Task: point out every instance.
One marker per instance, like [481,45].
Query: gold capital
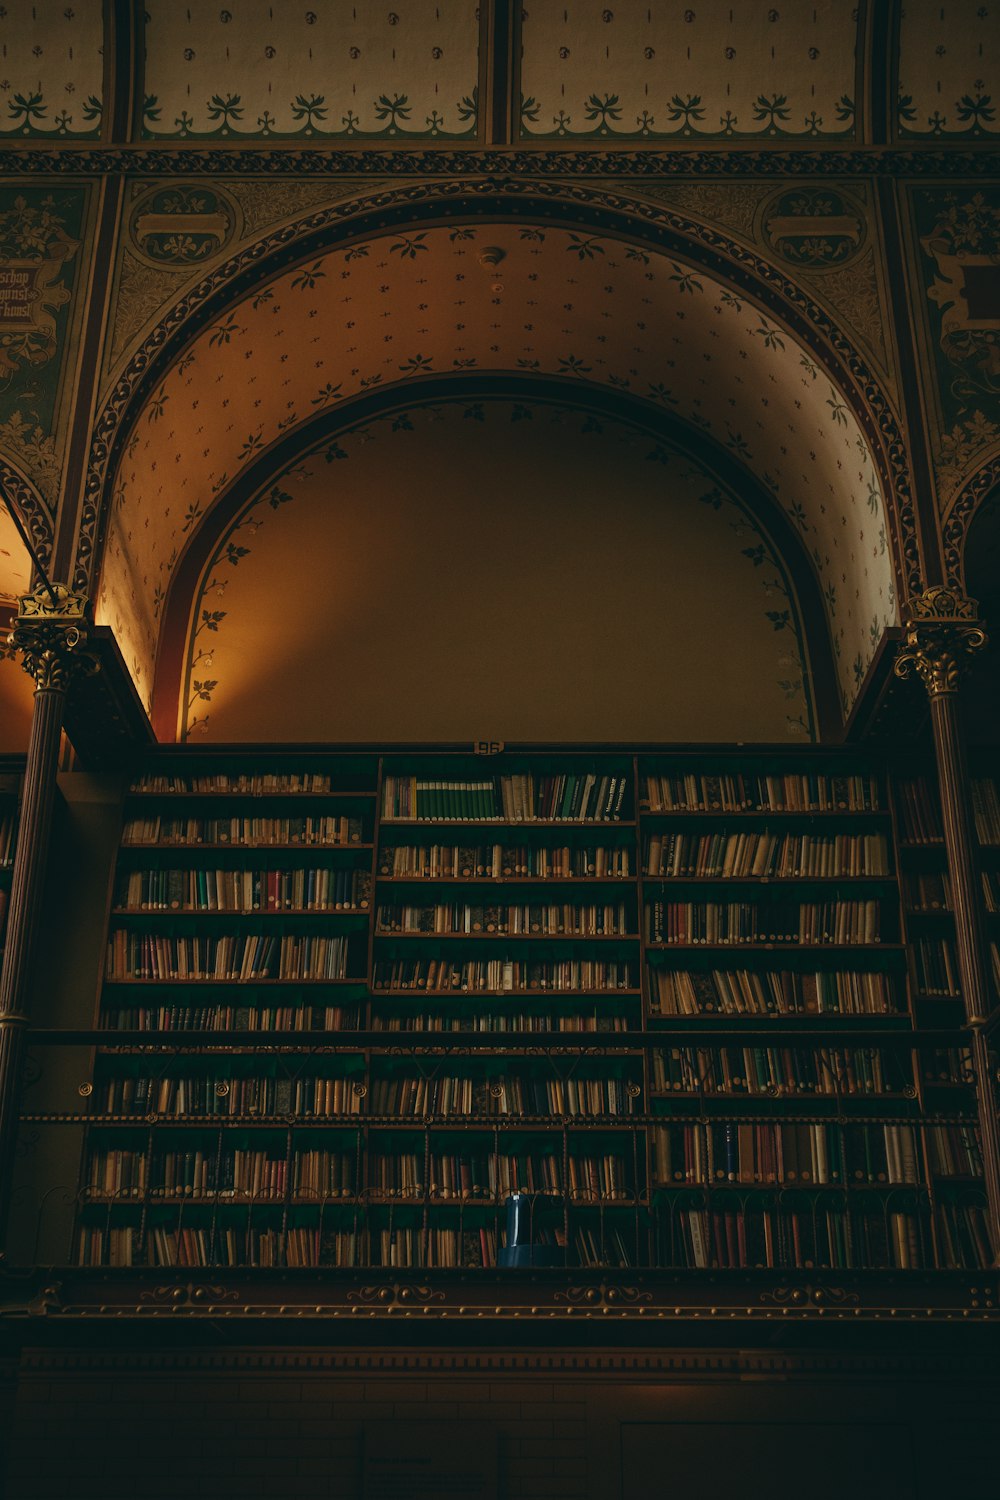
[51,632]
[942,631]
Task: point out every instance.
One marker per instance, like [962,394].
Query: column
[51,633]
[942,633]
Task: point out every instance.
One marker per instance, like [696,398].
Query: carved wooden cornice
[239,160]
[481,1300]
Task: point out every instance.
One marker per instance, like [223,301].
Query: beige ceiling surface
[674,69]
[494,569]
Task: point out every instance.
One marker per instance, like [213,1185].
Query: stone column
[51,633]
[942,632]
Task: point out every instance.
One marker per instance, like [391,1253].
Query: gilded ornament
[52,633]
[942,630]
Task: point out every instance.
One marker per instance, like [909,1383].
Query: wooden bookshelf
[536,1064]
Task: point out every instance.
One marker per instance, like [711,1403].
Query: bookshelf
[351,1001]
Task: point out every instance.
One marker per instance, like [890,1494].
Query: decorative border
[487,1298]
[606,211]
[781,160]
[626,1362]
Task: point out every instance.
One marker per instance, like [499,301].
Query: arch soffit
[572,205]
[668,438]
[970,497]
[34,512]
[212,318]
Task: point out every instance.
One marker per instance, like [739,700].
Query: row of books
[502,862]
[151,955]
[259,833]
[255,783]
[991,890]
[227,1246]
[233,1018]
[741,1238]
[199,1173]
[770,992]
[308,1095]
[834,1237]
[585,919]
[505,1095]
[590,1179]
[705,1153]
[919,812]
[830,1071]
[758,854]
[809,791]
[502,1021]
[986,810]
[794,1154]
[501,975]
[807,922]
[578,797]
[935,966]
[322,889]
[311,1018]
[928,890]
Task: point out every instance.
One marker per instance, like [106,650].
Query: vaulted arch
[604,303]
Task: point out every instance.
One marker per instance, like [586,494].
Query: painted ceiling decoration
[516,297]
[337,528]
[959,236]
[712,69]
[949,68]
[41,231]
[332,70]
[51,68]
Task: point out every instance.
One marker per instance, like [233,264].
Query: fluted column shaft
[27,882]
[953,783]
[942,632]
[51,633]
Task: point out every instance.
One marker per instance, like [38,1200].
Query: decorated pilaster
[51,633]
[943,632]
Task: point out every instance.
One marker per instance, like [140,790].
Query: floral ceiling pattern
[949,68]
[514,298]
[401,72]
[711,69]
[51,68]
[627,644]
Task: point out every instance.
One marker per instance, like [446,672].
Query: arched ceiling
[364,598]
[515,298]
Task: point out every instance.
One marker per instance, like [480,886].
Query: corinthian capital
[942,631]
[51,632]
